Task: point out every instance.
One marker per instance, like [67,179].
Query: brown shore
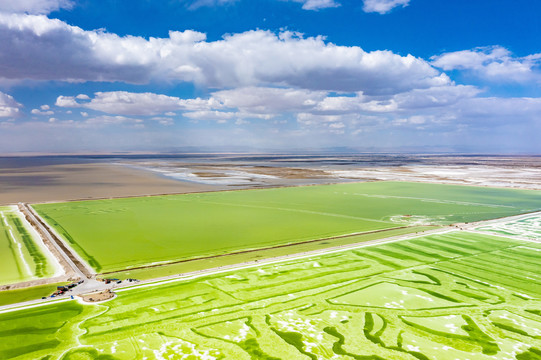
[59,182]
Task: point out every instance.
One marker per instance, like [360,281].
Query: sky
[83,76]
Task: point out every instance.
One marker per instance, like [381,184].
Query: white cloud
[501,110]
[356,104]
[162,120]
[34,6]
[326,104]
[264,100]
[307,4]
[45,107]
[383,6]
[317,4]
[263,103]
[106,120]
[223,116]
[457,118]
[492,63]
[9,108]
[253,102]
[309,119]
[210,115]
[39,112]
[38,48]
[192,5]
[126,103]
[484,114]
[434,97]
[449,108]
[140,104]
[275,101]
[414,120]
[66,101]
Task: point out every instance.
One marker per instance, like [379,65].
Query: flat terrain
[45,179]
[122,233]
[76,177]
[457,295]
[267,170]
[236,259]
[21,256]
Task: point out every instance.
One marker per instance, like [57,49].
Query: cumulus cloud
[492,63]
[264,100]
[34,6]
[126,103]
[448,115]
[316,107]
[40,112]
[241,103]
[269,103]
[129,103]
[485,114]
[9,108]
[383,6]
[449,108]
[278,100]
[66,101]
[38,48]
[476,121]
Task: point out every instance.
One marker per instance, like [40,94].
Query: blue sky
[270,75]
